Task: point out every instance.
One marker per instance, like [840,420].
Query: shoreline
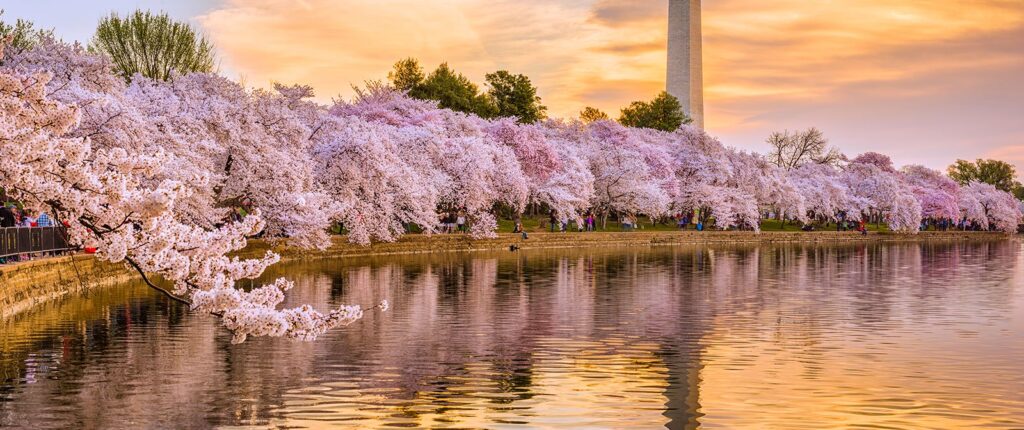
[441,243]
[28,284]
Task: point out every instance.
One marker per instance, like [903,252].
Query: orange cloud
[925,81]
[333,45]
[815,48]
[618,13]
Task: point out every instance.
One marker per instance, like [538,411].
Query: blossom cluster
[115,163]
[148,172]
[607,169]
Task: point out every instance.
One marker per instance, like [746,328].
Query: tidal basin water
[908,336]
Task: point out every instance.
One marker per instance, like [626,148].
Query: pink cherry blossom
[876,189]
[936,192]
[126,203]
[825,193]
[1001,209]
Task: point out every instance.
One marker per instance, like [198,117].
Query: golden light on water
[904,336]
[581,378]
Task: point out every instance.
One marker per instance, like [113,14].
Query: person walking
[554,221]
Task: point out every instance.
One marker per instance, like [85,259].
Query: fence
[24,240]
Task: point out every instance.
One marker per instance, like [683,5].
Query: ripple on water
[872,336]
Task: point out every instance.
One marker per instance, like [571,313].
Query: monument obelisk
[685,78]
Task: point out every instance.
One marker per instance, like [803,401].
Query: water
[849,336]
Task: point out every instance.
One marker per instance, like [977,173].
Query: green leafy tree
[663,113]
[456,92]
[515,96]
[23,34]
[999,174]
[591,114]
[152,44]
[407,75]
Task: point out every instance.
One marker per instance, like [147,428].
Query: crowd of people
[694,220]
[11,216]
[452,222]
[588,222]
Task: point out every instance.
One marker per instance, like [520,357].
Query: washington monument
[685,79]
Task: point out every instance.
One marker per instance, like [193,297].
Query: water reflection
[892,336]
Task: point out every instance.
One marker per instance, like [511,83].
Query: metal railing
[28,240]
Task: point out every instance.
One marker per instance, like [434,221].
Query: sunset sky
[925,81]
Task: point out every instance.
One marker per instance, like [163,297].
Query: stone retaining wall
[24,285]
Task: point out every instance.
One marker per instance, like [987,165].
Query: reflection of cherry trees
[507,336]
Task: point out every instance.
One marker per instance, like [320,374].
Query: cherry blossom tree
[360,165]
[630,176]
[877,191]
[569,188]
[724,183]
[555,168]
[1001,209]
[259,149]
[970,208]
[936,192]
[123,203]
[825,193]
[468,167]
[229,145]
[881,161]
[768,184]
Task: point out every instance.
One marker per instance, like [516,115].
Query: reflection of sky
[904,335]
[925,81]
